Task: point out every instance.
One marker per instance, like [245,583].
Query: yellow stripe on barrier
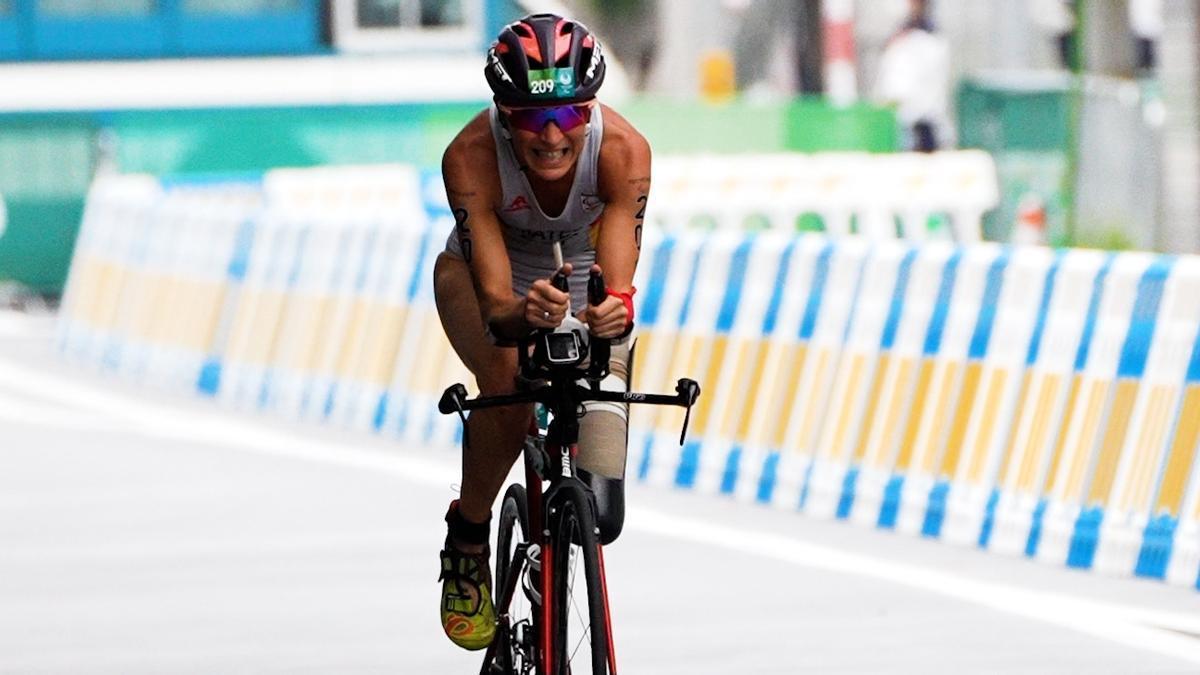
[434,345]
[940,422]
[1113,440]
[1094,399]
[962,417]
[883,438]
[351,346]
[1039,441]
[908,444]
[811,408]
[742,350]
[84,283]
[112,280]
[372,319]
[1184,447]
[142,303]
[795,361]
[758,382]
[177,313]
[871,414]
[845,408]
[264,327]
[208,321]
[142,297]
[303,324]
[322,329]
[381,351]
[685,360]
[987,427]
[1147,449]
[1009,463]
[1058,461]
[642,346]
[193,327]
[642,416]
[718,345]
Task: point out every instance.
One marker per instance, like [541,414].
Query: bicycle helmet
[544,59]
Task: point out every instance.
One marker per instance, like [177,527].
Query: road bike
[548,540]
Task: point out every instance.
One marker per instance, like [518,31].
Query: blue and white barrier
[1024,400]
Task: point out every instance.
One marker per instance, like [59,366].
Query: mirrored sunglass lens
[535,119]
[570,117]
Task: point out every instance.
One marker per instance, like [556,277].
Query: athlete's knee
[496,374]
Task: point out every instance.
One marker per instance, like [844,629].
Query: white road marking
[15,324]
[1151,630]
[21,411]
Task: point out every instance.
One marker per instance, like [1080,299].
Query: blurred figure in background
[1057,17]
[630,28]
[914,76]
[1146,23]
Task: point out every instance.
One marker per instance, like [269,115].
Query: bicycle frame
[537,498]
[558,389]
[563,432]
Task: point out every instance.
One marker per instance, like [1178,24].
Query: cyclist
[546,163]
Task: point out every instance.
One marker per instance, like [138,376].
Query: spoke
[576,553]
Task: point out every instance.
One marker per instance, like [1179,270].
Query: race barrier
[1025,400]
[915,196]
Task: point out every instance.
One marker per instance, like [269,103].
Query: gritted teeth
[551,154]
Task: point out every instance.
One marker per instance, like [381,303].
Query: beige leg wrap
[604,430]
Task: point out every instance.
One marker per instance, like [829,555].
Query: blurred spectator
[630,29]
[1057,17]
[1146,23]
[914,76]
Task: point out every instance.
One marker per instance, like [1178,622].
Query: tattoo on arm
[464,233]
[640,216]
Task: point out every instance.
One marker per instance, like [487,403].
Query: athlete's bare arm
[624,183]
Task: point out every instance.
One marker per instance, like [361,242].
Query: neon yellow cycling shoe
[468,615]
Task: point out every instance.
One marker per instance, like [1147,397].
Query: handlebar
[454,399]
[560,377]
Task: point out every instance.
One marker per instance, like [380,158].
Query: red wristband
[627,299]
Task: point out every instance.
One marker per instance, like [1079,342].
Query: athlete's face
[548,140]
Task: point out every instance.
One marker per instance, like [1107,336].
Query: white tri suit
[529,234]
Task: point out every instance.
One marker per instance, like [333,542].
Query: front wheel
[516,651]
[580,611]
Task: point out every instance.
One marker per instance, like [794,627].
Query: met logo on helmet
[497,66]
[595,62]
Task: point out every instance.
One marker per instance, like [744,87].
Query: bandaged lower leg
[604,430]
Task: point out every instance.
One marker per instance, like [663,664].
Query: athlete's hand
[545,305]
[609,318]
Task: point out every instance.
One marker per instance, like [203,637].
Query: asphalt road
[145,532]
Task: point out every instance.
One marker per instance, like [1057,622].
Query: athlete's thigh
[458,308]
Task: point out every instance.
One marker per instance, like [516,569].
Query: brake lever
[688,391]
[452,400]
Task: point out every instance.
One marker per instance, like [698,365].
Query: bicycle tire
[515,655]
[576,539]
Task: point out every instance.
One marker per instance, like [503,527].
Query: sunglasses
[566,117]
